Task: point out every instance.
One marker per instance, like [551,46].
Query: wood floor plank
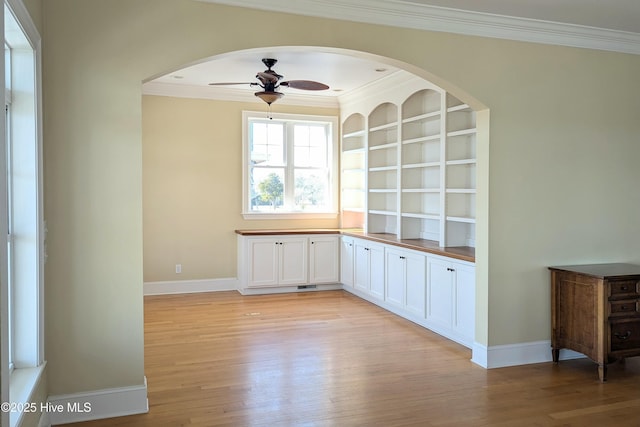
[332,359]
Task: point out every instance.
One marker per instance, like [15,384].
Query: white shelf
[420,215]
[421,190]
[383,168]
[384,127]
[462,132]
[379,212]
[425,116]
[355,134]
[383,146]
[422,139]
[421,165]
[461,162]
[467,220]
[461,107]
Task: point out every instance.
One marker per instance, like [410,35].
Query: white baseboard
[98,404]
[501,356]
[190,286]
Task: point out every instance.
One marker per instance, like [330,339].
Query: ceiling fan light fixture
[269,96]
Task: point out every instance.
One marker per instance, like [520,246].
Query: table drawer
[624,308]
[620,288]
[625,335]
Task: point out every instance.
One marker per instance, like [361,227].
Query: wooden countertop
[602,271]
[462,253]
[288,231]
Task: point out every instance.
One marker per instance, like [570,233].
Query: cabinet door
[415,283]
[346,261]
[440,292]
[293,261]
[376,271]
[395,277]
[465,307]
[263,262]
[323,259]
[361,276]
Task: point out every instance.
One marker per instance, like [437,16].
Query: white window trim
[23,36]
[333,158]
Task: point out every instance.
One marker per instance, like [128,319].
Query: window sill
[22,383]
[290,215]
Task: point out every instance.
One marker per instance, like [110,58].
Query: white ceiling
[597,24]
[342,73]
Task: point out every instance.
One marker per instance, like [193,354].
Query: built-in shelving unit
[415,176]
[353,171]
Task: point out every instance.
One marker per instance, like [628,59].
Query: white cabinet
[346,261]
[369,268]
[406,280]
[434,291]
[440,295]
[464,322]
[277,261]
[323,259]
[451,298]
[270,263]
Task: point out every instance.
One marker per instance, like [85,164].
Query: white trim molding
[434,18]
[98,404]
[190,286]
[501,356]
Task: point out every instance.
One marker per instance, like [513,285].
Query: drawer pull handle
[624,288]
[624,336]
[450,269]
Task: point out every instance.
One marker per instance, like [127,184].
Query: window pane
[267,147]
[310,146]
[311,189]
[267,189]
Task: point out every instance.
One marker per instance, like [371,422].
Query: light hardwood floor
[332,359]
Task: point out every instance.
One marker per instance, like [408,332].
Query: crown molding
[230,94]
[398,13]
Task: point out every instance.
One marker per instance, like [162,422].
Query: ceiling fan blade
[233,83]
[305,85]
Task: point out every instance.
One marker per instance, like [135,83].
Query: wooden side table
[595,310]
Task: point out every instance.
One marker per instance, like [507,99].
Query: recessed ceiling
[342,73]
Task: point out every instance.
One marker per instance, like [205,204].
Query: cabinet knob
[624,336]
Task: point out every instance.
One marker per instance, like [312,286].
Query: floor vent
[307,287]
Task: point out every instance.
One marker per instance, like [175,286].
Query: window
[21,214]
[289,166]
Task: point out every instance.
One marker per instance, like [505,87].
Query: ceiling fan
[270,81]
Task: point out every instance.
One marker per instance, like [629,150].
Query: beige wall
[192,186]
[562,174]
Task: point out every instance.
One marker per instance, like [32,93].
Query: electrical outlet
[178,268]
